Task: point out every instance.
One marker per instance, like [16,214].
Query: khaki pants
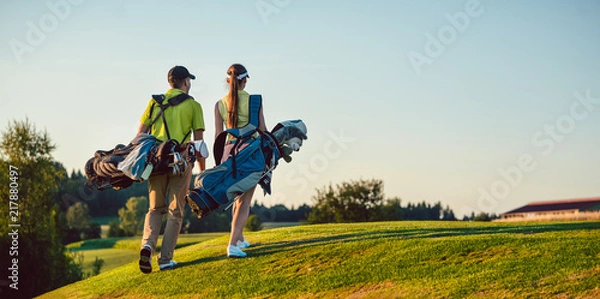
[160,188]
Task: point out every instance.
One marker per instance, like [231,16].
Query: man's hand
[200,148]
[201,162]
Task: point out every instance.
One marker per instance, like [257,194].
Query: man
[180,120]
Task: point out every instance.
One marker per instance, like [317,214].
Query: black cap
[180,72]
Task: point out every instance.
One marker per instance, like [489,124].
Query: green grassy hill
[375,260]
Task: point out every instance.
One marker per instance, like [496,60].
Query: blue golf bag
[252,159]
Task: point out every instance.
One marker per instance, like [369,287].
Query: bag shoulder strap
[240,133]
[253,114]
[178,99]
[174,101]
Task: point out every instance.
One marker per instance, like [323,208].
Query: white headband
[240,76]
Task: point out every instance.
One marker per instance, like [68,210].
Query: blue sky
[505,111]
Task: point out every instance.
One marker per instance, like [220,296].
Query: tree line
[363,200]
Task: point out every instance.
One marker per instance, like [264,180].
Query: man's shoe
[168,266]
[146,259]
[234,251]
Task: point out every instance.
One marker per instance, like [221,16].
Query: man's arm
[143,129]
[199,135]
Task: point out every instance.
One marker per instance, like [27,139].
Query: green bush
[97,266]
[253,223]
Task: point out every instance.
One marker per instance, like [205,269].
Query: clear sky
[482,105]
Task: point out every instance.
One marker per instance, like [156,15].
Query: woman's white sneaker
[235,251]
[242,244]
[246,243]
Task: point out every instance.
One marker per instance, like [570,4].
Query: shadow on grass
[181,245]
[202,260]
[270,248]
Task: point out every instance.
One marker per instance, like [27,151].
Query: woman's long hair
[233,74]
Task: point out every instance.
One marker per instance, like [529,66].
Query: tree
[483,216]
[350,201]
[326,206]
[469,218]
[30,179]
[79,223]
[423,211]
[302,213]
[448,214]
[392,210]
[78,216]
[133,215]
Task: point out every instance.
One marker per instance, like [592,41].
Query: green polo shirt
[181,119]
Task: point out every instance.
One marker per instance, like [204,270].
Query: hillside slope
[375,260]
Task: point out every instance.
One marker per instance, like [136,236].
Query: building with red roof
[571,209]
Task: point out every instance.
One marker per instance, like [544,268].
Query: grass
[375,260]
[113,258]
[120,251]
[271,225]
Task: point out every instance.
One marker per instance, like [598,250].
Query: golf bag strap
[174,101]
[187,135]
[253,121]
[233,158]
[219,147]
[158,98]
[165,122]
[239,133]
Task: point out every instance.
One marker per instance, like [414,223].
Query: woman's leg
[234,208]
[240,211]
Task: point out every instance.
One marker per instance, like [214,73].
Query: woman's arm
[261,120]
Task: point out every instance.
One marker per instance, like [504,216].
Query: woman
[233,111]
